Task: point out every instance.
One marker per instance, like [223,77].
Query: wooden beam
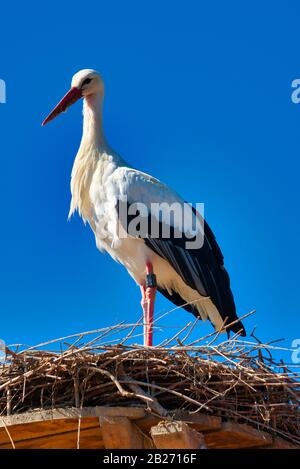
[120,433]
[176,435]
[130,428]
[200,422]
[34,431]
[36,425]
[280,443]
[90,438]
[234,435]
[71,413]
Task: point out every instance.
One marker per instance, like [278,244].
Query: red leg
[148,299]
[144,304]
[150,295]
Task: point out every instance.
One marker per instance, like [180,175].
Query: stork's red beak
[70,98]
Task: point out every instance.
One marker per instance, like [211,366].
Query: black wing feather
[202,269]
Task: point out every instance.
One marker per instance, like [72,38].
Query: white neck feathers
[92,135]
[91,147]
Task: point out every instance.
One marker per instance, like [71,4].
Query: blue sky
[197,94]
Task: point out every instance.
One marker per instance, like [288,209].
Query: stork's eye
[86,81]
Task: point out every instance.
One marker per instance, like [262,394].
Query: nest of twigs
[234,379]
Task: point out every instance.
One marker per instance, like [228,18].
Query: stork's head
[84,83]
[88,81]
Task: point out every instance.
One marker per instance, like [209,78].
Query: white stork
[192,278]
